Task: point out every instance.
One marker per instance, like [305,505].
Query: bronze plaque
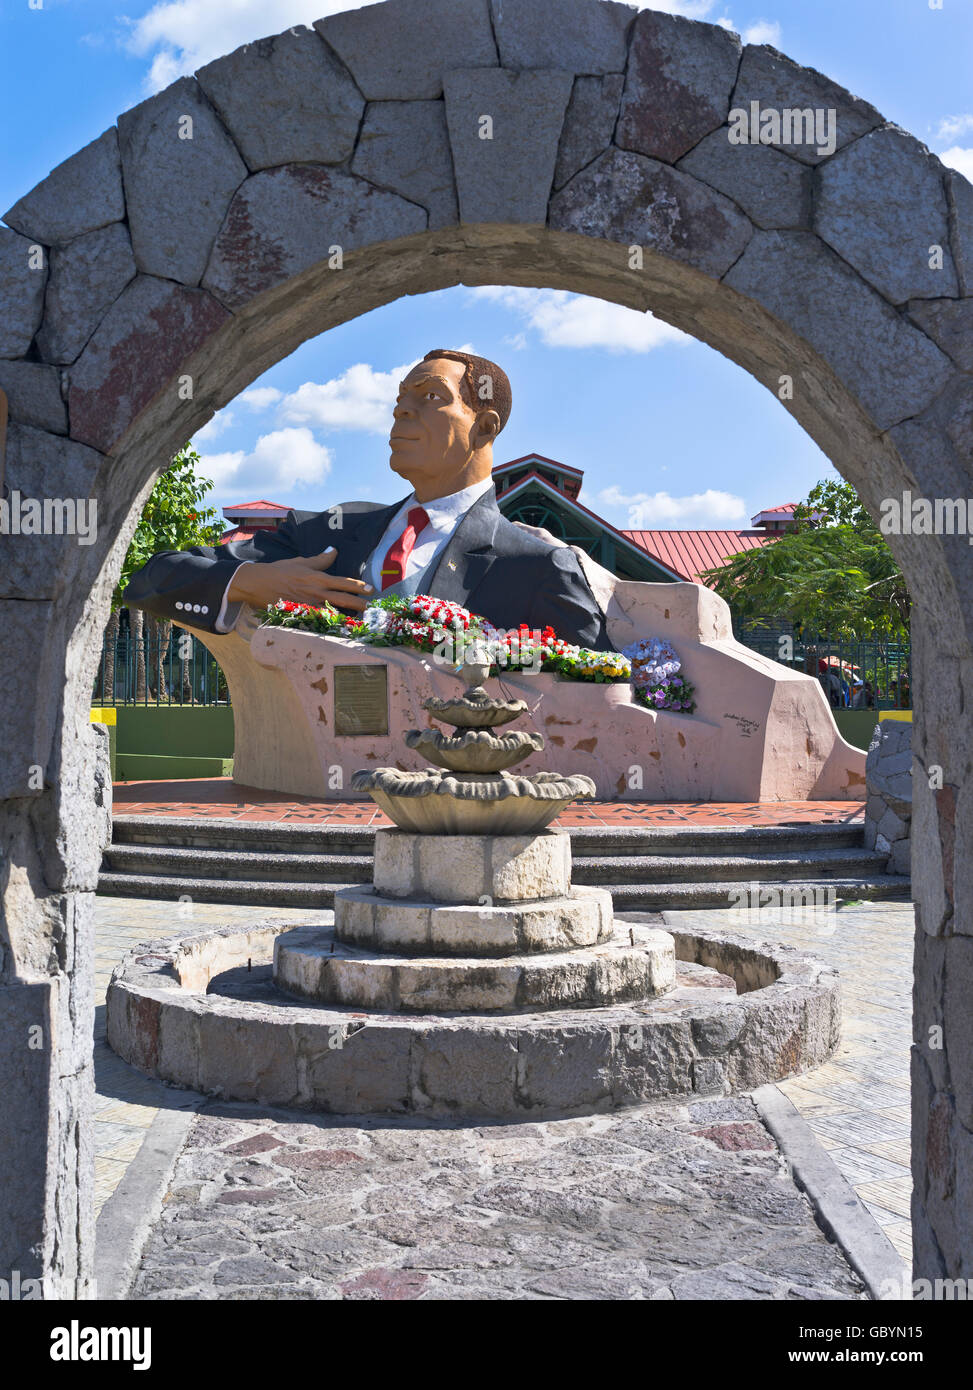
[361,699]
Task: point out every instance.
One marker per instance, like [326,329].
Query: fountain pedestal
[479,922]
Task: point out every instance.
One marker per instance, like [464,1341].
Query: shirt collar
[445,510]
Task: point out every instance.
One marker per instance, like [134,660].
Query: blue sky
[669,433]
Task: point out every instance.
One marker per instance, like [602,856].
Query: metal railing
[883,668]
[173,668]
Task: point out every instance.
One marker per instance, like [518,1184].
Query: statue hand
[299,580]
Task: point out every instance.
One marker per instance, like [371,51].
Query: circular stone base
[308,962]
[582,917]
[191,1011]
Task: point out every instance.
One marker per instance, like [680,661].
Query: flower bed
[453,635]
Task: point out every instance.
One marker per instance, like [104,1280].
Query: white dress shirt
[445,514]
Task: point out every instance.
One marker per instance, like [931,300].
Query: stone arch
[197,244]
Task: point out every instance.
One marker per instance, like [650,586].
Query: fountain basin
[444,803]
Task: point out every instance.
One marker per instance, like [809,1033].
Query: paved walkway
[668,1202]
[857,1105]
[220,798]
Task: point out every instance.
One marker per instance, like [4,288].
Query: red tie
[393,566]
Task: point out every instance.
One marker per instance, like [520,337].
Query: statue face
[434,432]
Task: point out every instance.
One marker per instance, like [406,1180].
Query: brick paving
[220,798]
[858,1107]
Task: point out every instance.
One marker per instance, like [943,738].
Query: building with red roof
[540,491]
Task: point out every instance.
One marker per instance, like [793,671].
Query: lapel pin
[451,564]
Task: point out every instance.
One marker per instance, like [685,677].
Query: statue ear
[488,423]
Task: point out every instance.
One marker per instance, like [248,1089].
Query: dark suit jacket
[488,565]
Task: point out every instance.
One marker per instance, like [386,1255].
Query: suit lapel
[361,538]
[468,554]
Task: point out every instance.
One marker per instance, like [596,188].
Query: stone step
[276,867]
[657,868]
[654,897]
[293,837]
[635,964]
[260,865]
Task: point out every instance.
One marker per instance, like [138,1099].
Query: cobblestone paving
[126,1102]
[857,1105]
[659,1202]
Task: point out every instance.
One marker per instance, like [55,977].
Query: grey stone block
[960,193]
[404,146]
[627,198]
[80,195]
[507,178]
[399,51]
[472,1073]
[562,1078]
[31,680]
[773,190]
[283,221]
[949,322]
[900,861]
[177,188]
[86,278]
[775,81]
[589,123]
[150,331]
[48,476]
[678,85]
[33,394]
[801,281]
[21,292]
[573,35]
[285,99]
[368,1074]
[883,237]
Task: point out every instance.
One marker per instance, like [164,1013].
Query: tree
[172,519]
[832,571]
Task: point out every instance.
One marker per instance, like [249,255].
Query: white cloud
[762,31]
[278,462]
[568,320]
[220,422]
[959,158]
[179,36]
[360,399]
[952,127]
[652,511]
[689,9]
[260,397]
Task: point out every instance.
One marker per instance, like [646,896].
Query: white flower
[376,619]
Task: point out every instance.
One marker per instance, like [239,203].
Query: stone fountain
[471,906]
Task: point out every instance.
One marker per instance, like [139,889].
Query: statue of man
[447,538]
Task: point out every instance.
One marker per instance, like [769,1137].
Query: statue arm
[189,585]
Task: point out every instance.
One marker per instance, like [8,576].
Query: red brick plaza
[219,798]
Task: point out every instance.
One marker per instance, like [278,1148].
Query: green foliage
[832,571]
[173,517]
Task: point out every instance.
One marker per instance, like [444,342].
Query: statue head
[450,408]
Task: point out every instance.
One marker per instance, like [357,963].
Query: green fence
[840,663]
[167,666]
